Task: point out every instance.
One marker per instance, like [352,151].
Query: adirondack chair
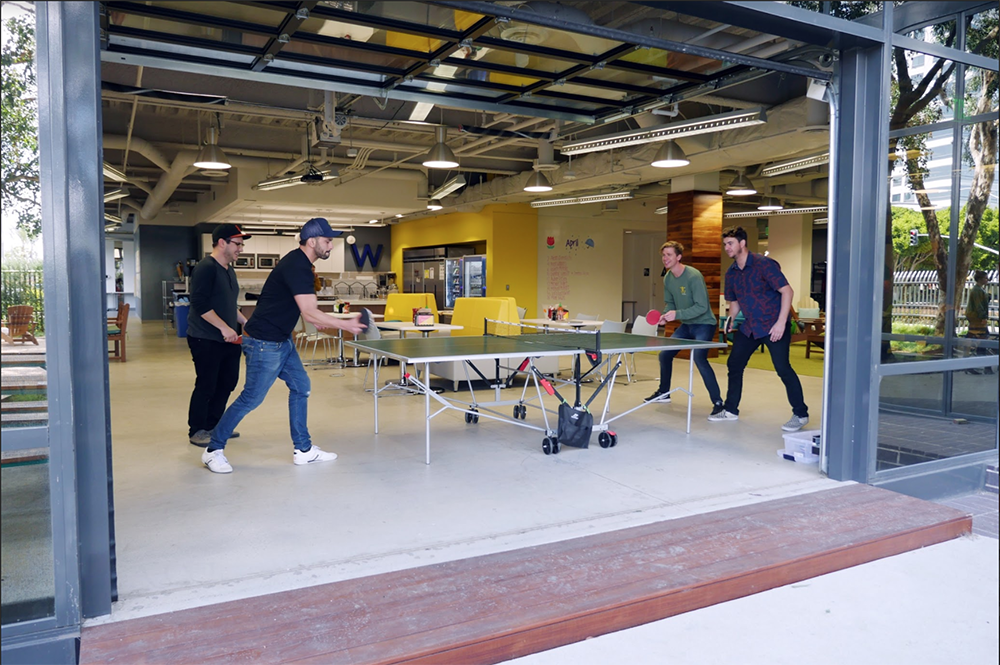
[20,324]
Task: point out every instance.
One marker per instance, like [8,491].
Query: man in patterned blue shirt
[756,287]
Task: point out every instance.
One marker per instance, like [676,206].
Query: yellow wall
[509,233]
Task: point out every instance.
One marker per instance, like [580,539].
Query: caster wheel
[517,412]
[524,411]
[555,447]
[475,419]
[614,439]
[547,446]
[468,417]
[604,439]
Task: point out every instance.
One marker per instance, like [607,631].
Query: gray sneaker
[201,438]
[216,461]
[795,423]
[722,416]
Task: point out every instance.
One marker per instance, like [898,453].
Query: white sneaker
[795,424]
[722,416]
[314,454]
[216,461]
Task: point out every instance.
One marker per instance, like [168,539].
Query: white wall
[584,268]
[790,244]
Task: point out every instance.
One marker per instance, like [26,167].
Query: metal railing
[917,296]
[24,287]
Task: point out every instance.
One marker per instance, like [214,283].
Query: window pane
[980,35]
[913,326]
[977,299]
[912,104]
[926,417]
[28,573]
[850,11]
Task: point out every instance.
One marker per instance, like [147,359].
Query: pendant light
[769,203]
[211,156]
[434,204]
[670,156]
[741,186]
[441,156]
[537,182]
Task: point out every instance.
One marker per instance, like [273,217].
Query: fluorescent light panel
[290,181]
[763,213]
[447,188]
[660,211]
[111,173]
[796,165]
[708,125]
[115,194]
[579,200]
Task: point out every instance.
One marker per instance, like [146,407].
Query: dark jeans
[704,332]
[217,371]
[743,348]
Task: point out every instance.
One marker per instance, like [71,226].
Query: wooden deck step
[495,607]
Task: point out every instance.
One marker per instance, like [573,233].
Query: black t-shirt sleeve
[202,288]
[300,282]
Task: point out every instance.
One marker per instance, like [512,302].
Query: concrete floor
[187,537]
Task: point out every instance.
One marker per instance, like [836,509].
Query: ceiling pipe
[181,166]
[141,146]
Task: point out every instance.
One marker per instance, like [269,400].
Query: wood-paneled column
[694,219]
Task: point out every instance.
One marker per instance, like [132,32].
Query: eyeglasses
[233,242]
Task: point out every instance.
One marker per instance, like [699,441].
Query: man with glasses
[212,335]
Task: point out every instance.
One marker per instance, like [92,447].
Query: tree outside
[18,104]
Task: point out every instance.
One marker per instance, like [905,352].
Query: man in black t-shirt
[212,335]
[271,353]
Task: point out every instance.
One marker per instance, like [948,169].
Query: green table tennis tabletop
[442,349]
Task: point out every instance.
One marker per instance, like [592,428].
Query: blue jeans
[266,362]
[703,332]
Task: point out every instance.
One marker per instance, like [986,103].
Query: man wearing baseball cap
[270,351]
[212,332]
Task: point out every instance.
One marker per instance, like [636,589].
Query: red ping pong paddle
[653,317]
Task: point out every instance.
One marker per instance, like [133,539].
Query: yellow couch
[400,306]
[470,313]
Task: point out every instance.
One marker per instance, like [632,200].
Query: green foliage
[921,257]
[19,108]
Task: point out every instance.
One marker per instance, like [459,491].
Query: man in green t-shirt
[686,299]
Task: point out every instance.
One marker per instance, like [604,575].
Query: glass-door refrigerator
[474,276]
[453,281]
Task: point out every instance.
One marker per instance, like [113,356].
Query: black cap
[228,232]
[317,227]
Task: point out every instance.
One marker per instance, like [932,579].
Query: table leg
[375,390]
[690,387]
[427,418]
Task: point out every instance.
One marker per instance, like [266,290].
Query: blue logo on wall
[366,254]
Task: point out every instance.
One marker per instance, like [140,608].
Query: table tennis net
[586,340]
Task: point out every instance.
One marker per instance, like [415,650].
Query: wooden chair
[117,328]
[20,324]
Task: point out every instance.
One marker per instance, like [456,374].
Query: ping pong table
[522,350]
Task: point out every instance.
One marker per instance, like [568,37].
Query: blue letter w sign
[366,254]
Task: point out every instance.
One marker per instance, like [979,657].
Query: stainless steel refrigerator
[425,271]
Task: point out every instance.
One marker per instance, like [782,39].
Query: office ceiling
[361,87]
